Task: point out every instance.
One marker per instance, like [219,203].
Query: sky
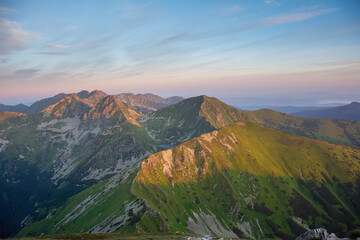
[231,49]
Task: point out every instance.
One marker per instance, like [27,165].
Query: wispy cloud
[12,36]
[292,17]
[6,11]
[55,45]
[54,53]
[27,72]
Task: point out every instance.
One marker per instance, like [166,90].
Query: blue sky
[268,48]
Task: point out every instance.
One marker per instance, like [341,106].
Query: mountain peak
[98,92]
[94,97]
[191,118]
[354,104]
[218,113]
[69,106]
[83,94]
[110,108]
[146,102]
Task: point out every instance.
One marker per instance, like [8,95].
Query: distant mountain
[141,102]
[147,102]
[108,107]
[292,109]
[69,106]
[347,112]
[248,181]
[22,108]
[93,97]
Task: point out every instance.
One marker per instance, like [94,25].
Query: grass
[253,174]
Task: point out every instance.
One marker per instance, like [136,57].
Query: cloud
[27,72]
[292,17]
[12,36]
[55,45]
[54,53]
[271,2]
[5,11]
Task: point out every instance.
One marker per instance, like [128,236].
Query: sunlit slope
[249,181]
[329,130]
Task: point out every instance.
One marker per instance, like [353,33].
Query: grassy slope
[329,130]
[101,208]
[252,175]
[178,122]
[195,116]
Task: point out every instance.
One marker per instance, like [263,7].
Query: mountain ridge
[348,112]
[72,146]
[245,157]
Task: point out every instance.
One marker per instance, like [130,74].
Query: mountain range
[347,112]
[92,162]
[142,102]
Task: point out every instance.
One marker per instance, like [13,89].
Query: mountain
[249,181]
[44,103]
[91,98]
[21,108]
[109,107]
[69,146]
[292,109]
[107,206]
[35,107]
[195,116]
[77,153]
[188,119]
[69,106]
[147,102]
[283,109]
[347,112]
[141,102]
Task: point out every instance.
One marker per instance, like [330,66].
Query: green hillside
[194,116]
[105,207]
[249,181]
[329,130]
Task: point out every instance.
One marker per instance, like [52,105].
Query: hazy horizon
[303,50]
